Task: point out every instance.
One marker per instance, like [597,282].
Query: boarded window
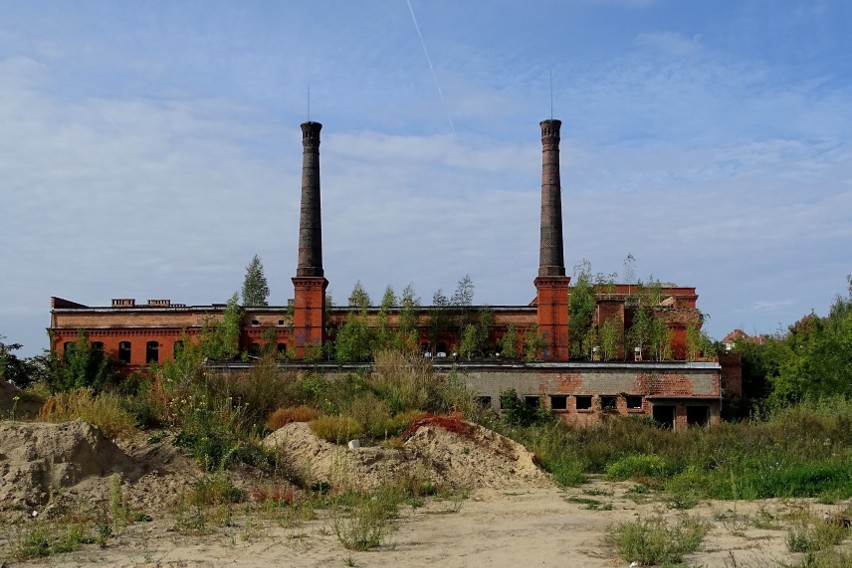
[634,402]
[124,351]
[583,402]
[152,352]
[558,402]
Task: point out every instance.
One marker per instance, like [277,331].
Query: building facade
[138,334]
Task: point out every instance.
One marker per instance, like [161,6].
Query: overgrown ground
[773,490]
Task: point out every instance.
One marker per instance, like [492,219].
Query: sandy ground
[513,515]
[500,528]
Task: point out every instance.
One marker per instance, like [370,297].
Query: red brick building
[139,334]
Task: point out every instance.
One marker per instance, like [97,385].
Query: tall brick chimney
[310,219]
[310,283]
[551,257]
[551,283]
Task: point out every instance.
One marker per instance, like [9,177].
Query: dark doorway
[697,415]
[664,416]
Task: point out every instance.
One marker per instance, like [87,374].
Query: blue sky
[149,150]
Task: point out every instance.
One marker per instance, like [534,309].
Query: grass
[369,521]
[105,410]
[811,535]
[789,452]
[42,541]
[650,541]
[210,500]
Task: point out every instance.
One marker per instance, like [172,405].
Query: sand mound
[475,458]
[40,459]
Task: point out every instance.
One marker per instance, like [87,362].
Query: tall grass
[105,410]
[801,451]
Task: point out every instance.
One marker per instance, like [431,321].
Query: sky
[151,149]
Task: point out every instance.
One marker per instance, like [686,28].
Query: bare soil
[514,516]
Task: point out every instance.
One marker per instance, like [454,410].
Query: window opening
[124,352]
[152,352]
[634,402]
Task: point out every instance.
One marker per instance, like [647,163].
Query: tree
[535,342]
[12,368]
[581,310]
[409,319]
[220,339]
[255,288]
[80,365]
[439,319]
[818,361]
[463,296]
[359,298]
[385,337]
[509,343]
[611,336]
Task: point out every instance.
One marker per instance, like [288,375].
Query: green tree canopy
[255,288]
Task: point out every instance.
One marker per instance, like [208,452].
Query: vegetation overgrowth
[797,451]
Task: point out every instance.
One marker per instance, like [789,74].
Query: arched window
[67,347]
[254,349]
[282,348]
[124,352]
[152,352]
[177,348]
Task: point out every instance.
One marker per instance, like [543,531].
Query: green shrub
[213,431]
[652,541]
[337,429]
[640,466]
[369,521]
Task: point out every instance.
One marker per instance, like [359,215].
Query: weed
[41,541]
[654,541]
[647,465]
[590,504]
[336,429]
[284,416]
[682,500]
[369,521]
[105,410]
[599,492]
[813,535]
[210,499]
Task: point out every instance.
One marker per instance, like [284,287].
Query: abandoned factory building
[674,385]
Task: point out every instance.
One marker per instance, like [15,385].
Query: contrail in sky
[429,60]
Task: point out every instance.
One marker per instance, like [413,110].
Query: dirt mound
[40,459]
[474,457]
